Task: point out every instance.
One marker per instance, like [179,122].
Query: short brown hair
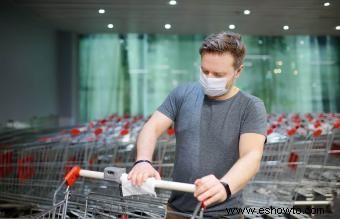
[224,42]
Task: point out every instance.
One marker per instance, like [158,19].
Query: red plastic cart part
[98,131]
[6,166]
[71,177]
[171,131]
[336,124]
[317,133]
[317,124]
[124,216]
[334,150]
[293,158]
[291,132]
[124,132]
[269,131]
[25,168]
[126,126]
[75,132]
[280,119]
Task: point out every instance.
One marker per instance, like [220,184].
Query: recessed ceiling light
[101,11]
[110,26]
[167,26]
[246,12]
[337,27]
[172,2]
[302,42]
[277,71]
[232,26]
[286,27]
[326,4]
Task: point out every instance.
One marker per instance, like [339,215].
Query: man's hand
[209,190]
[140,172]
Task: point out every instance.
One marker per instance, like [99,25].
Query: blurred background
[74,61]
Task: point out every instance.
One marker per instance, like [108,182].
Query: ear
[238,71]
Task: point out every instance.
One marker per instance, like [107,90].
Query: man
[220,132]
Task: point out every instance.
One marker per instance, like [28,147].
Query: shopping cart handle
[174,186]
[116,174]
[72,176]
[153,183]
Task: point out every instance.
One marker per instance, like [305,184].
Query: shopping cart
[27,171]
[101,205]
[164,156]
[319,184]
[281,170]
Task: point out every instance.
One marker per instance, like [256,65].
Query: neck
[232,92]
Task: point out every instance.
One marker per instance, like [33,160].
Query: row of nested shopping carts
[300,167]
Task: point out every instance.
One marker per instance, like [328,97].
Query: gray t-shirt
[207,138]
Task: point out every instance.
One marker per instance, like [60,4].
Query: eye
[205,72]
[217,75]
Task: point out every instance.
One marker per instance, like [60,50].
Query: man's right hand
[140,172]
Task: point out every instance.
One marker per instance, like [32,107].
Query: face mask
[213,86]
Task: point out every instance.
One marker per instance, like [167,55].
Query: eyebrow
[219,73]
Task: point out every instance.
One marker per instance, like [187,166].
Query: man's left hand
[209,190]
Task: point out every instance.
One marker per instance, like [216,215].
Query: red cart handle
[72,176]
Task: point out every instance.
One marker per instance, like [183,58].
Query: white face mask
[213,86]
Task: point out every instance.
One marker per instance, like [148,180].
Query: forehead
[217,62]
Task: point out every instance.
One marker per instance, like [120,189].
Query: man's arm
[251,150]
[210,190]
[146,143]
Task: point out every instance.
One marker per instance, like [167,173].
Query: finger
[197,181]
[138,178]
[201,189]
[134,178]
[213,199]
[130,174]
[216,198]
[157,176]
[146,175]
[204,187]
[143,178]
[211,192]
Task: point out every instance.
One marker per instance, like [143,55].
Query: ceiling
[188,16]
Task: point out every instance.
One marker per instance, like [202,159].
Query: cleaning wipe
[147,188]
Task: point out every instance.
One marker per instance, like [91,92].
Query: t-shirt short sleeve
[255,118]
[172,103]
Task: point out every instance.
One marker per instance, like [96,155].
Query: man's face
[219,66]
